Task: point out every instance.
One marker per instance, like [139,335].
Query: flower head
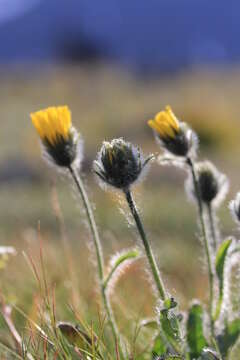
[213,185]
[175,136]
[60,140]
[119,163]
[234,207]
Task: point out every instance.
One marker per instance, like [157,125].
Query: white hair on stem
[121,269]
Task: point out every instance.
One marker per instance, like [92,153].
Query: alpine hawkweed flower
[174,136]
[119,163]
[63,147]
[234,207]
[61,143]
[212,185]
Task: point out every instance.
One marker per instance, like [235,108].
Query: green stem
[149,252]
[100,262]
[205,242]
[212,225]
[106,281]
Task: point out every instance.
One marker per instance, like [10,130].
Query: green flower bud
[120,164]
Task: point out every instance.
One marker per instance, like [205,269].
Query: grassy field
[107,103]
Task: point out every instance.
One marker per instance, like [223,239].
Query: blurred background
[115,63]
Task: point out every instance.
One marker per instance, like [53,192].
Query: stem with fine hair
[212,225]
[148,249]
[149,253]
[205,242]
[100,262]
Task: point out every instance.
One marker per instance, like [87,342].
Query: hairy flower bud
[174,136]
[60,140]
[213,185]
[234,207]
[119,163]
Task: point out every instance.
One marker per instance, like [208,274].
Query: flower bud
[120,164]
[61,144]
[174,136]
[212,185]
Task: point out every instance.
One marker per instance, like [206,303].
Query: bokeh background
[115,63]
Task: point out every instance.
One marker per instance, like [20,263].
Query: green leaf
[118,260]
[229,336]
[170,328]
[221,255]
[219,265]
[168,341]
[195,337]
[159,348]
[149,323]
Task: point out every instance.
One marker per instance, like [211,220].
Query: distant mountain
[146,34]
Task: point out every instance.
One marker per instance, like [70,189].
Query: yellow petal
[52,122]
[168,130]
[155,126]
[167,116]
[172,118]
[161,116]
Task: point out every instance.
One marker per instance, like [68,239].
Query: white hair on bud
[102,174]
[220,178]
[79,143]
[171,160]
[79,152]
[223,189]
[193,141]
[234,207]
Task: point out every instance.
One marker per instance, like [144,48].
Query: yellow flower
[62,144]
[165,124]
[52,123]
[174,136]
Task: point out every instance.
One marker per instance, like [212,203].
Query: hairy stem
[150,256]
[148,250]
[212,226]
[205,243]
[100,262]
